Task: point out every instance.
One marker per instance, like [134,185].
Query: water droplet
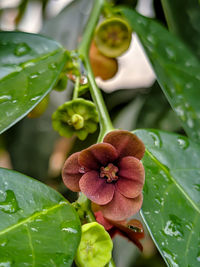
[164,175]
[52,66]
[5,263]
[33,76]
[34,229]
[173,227]
[189,226]
[197,187]
[180,112]
[69,230]
[3,243]
[198,256]
[156,187]
[151,39]
[183,142]
[22,49]
[66,227]
[171,258]
[188,85]
[10,204]
[159,200]
[28,64]
[5,98]
[190,122]
[83,80]
[156,138]
[170,53]
[35,98]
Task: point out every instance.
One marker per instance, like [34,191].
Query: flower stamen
[109,173]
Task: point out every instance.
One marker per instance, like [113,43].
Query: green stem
[104,118]
[76,87]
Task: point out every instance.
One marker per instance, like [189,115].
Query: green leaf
[29,66]
[176,68]
[171,207]
[38,227]
[187,14]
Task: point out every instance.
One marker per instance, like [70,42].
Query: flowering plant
[110,174]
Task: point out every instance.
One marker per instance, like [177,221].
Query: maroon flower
[110,174]
[132,230]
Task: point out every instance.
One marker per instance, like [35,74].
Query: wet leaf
[171,207]
[38,227]
[29,66]
[176,68]
[187,14]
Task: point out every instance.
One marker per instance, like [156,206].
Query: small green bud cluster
[78,116]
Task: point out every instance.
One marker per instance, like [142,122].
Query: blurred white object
[144,7]
[32,19]
[54,7]
[9,3]
[134,71]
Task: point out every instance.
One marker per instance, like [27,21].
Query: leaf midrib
[172,179]
[31,218]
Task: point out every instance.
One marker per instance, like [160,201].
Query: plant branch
[104,118]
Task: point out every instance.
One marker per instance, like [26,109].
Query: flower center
[77,121]
[109,173]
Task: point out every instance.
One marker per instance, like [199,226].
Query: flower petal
[126,143]
[100,219]
[97,155]
[70,173]
[131,177]
[96,189]
[120,208]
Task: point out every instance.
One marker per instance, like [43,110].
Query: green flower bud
[113,36]
[78,116]
[95,247]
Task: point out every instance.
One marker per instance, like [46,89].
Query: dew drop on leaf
[198,256]
[10,204]
[3,243]
[22,49]
[5,263]
[35,98]
[5,98]
[159,200]
[33,76]
[173,227]
[197,187]
[52,66]
[183,142]
[171,258]
[156,138]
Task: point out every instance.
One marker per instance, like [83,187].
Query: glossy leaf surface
[29,66]
[37,226]
[187,14]
[171,206]
[176,68]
